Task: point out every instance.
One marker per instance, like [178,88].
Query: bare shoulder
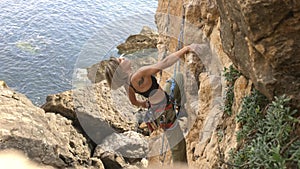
[148,70]
[141,79]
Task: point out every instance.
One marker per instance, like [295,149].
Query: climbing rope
[166,33]
[179,46]
[180,40]
[163,152]
[180,37]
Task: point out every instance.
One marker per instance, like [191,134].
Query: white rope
[176,68]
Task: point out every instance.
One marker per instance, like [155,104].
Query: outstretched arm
[172,58]
[166,62]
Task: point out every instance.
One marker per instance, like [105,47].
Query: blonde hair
[115,76]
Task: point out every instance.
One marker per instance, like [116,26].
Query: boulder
[46,138]
[131,145]
[61,103]
[118,150]
[95,110]
[146,39]
[101,112]
[96,72]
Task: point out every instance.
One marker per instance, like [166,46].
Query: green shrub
[230,74]
[250,115]
[267,137]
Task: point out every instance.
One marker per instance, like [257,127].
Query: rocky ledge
[77,140]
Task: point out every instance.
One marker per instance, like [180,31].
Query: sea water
[44,44]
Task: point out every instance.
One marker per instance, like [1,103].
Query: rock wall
[261,39]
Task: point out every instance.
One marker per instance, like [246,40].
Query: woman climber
[118,73]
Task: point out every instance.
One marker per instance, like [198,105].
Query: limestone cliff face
[260,37]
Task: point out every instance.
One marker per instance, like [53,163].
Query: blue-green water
[43,43]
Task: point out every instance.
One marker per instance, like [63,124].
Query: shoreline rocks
[45,138]
[48,138]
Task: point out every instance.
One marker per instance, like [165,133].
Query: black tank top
[147,93]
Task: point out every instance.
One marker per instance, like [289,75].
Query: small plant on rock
[230,74]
